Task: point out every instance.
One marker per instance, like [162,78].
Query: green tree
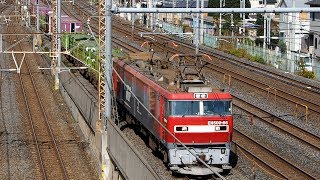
[228,4]
[226,26]
[282,45]
[259,41]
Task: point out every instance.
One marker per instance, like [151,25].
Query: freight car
[176,93]
[68,24]
[84,52]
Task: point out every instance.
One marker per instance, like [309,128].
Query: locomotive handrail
[189,55]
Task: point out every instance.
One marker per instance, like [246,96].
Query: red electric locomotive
[176,93]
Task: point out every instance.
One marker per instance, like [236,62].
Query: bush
[258,59]
[225,46]
[307,74]
[240,53]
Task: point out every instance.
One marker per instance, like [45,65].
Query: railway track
[287,88]
[53,148]
[275,164]
[296,132]
[271,89]
[50,163]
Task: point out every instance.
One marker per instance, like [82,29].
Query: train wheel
[164,156]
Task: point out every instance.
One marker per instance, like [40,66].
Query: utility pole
[133,4]
[293,33]
[55,28]
[150,15]
[197,30]
[172,15]
[35,38]
[38,17]
[201,24]
[220,16]
[58,45]
[268,29]
[243,5]
[264,26]
[105,88]
[232,25]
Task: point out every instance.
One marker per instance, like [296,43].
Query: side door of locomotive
[141,91]
[161,117]
[154,107]
[127,96]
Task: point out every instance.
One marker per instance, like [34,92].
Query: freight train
[175,94]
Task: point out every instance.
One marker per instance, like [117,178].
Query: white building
[260,3]
[314,35]
[294,29]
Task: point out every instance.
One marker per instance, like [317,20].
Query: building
[294,30]
[177,18]
[260,3]
[314,35]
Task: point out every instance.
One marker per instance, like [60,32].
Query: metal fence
[283,61]
[128,159]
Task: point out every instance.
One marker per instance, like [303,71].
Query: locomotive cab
[203,122]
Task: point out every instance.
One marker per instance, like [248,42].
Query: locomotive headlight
[217,128]
[181,128]
[223,151]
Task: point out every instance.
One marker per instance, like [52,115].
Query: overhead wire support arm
[213,10]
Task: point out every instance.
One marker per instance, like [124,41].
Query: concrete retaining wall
[84,108]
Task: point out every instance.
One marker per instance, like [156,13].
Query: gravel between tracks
[13,144]
[17,155]
[286,146]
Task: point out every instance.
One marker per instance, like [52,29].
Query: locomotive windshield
[184,108]
[205,108]
[216,107]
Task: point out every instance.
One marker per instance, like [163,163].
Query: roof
[271,1]
[183,3]
[43,8]
[67,19]
[180,73]
[85,41]
[289,3]
[313,3]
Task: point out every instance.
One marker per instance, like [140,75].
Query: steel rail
[34,134]
[279,159]
[260,160]
[48,125]
[296,132]
[280,93]
[294,98]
